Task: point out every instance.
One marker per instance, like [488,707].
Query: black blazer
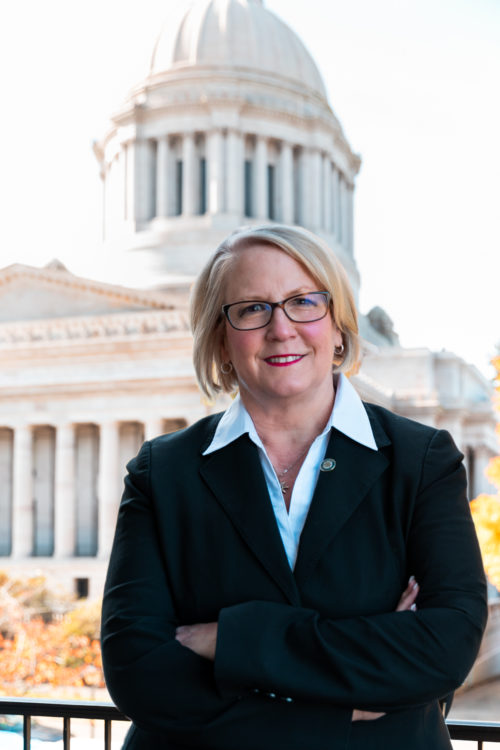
[197,541]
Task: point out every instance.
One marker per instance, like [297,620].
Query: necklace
[284,486]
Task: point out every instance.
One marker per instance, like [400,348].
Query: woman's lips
[283,360]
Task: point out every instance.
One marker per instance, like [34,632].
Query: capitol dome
[231,126]
[237,35]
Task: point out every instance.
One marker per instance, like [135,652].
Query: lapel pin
[328,464]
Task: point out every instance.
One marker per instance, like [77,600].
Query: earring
[339,350]
[226,368]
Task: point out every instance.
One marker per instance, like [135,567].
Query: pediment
[30,293]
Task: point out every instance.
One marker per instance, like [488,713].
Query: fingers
[408,597]
[200,638]
[184,634]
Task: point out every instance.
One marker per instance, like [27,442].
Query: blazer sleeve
[384,661]
[152,678]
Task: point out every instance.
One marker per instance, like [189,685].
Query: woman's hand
[200,638]
[408,597]
[406,602]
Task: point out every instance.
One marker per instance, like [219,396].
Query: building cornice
[75,330]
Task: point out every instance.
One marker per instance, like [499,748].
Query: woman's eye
[253,309]
[303,301]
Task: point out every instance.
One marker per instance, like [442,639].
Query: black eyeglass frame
[273,306]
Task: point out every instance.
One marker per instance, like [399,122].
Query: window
[6,457]
[248,187]
[203,186]
[178,187]
[271,208]
[81,588]
[86,472]
[43,491]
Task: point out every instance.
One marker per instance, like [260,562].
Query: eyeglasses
[250,314]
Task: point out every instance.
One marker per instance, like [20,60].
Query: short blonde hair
[208,322]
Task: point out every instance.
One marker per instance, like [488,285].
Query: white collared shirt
[348,416]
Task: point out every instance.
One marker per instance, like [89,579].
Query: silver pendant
[328,464]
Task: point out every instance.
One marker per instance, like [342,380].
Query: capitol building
[231,126]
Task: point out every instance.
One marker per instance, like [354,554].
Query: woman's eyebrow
[263,298]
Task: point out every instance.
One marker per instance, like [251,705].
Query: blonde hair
[208,322]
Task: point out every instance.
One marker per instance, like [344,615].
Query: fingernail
[415,586]
[411,579]
[413,607]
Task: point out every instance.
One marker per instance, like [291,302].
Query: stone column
[235,173]
[215,155]
[153,428]
[108,490]
[340,210]
[315,189]
[189,181]
[350,219]
[65,492]
[129,157]
[143,192]
[163,184]
[327,193]
[286,174]
[22,510]
[344,210]
[335,201]
[260,199]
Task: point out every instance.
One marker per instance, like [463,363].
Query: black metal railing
[476,731]
[66,710]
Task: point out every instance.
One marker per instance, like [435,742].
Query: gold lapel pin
[328,464]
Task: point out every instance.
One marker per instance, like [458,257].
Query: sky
[414,83]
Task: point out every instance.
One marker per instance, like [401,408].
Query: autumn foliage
[46,640]
[486,509]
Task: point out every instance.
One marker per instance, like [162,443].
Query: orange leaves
[486,508]
[486,514]
[63,653]
[40,654]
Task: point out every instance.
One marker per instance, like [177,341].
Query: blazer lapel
[235,476]
[337,495]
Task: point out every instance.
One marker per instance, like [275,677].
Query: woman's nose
[280,326]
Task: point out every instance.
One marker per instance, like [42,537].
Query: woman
[221,630]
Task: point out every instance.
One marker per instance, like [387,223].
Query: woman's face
[285,360]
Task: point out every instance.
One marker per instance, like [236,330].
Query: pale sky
[415,84]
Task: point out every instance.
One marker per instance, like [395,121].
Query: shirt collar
[348,416]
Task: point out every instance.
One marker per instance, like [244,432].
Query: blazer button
[288,699]
[271,695]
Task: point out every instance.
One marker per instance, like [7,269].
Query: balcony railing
[476,731]
[66,710]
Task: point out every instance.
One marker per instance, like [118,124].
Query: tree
[46,638]
[486,508]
